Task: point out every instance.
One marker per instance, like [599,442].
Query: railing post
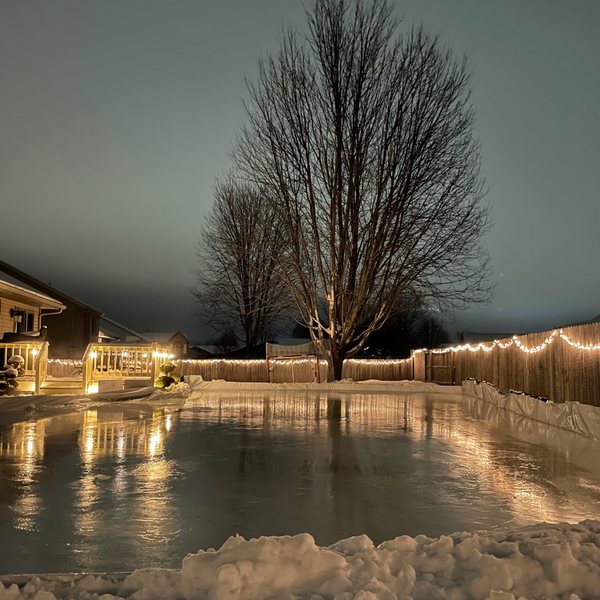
[40,366]
[153,370]
[86,368]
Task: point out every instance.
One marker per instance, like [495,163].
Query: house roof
[161,337]
[111,326]
[17,292]
[588,322]
[44,288]
[476,337]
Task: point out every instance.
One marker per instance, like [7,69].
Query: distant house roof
[588,322]
[44,288]
[161,337]
[12,290]
[469,337]
[201,350]
[114,329]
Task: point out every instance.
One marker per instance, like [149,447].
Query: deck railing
[121,361]
[41,367]
[28,350]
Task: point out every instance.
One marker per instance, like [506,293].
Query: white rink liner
[540,561]
[572,416]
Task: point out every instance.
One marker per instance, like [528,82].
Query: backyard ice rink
[407,477]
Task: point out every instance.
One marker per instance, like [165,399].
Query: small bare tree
[238,288]
[364,142]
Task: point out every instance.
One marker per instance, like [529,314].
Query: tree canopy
[361,138]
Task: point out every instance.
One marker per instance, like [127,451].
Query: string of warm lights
[515,340]
[379,361]
[397,361]
[244,361]
[62,361]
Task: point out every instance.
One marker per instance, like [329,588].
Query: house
[113,332]
[179,343]
[71,328]
[473,337]
[596,319]
[24,310]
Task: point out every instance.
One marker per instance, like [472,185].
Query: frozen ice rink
[123,486]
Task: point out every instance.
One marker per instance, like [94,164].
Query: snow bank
[572,416]
[371,386]
[541,561]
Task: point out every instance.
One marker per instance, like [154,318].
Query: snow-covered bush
[9,384]
[168,375]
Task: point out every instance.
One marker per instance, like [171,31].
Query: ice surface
[542,561]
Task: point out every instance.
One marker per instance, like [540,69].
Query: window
[23,321]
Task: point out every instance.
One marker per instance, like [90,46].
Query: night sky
[116,117]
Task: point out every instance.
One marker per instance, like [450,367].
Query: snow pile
[370,386]
[541,561]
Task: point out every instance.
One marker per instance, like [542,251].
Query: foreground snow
[540,561]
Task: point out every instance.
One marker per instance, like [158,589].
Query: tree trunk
[337,359]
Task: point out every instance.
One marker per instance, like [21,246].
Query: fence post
[154,363]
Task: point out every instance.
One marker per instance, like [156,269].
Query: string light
[246,361]
[515,340]
[62,361]
[398,361]
[379,361]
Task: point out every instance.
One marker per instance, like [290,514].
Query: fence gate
[439,368]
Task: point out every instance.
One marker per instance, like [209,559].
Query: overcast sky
[116,117]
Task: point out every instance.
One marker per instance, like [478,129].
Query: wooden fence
[560,365]
[230,370]
[303,371]
[64,367]
[359,369]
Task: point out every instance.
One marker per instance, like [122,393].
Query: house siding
[7,322]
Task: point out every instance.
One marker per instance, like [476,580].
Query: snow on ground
[540,561]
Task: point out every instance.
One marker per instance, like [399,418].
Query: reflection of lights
[92,388]
[89,433]
[120,437]
[154,442]
[121,444]
[34,351]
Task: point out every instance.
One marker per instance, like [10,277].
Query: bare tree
[364,141]
[238,289]
[225,342]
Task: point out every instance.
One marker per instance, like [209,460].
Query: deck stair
[61,386]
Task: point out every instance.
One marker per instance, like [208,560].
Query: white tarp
[580,418]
